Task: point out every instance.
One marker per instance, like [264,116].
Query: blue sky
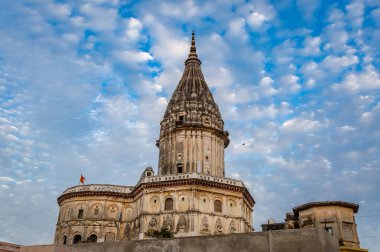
[84,84]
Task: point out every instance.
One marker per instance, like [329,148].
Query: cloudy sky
[84,84]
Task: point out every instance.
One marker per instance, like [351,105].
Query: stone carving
[232,227]
[110,236]
[181,224]
[153,223]
[218,227]
[127,232]
[167,222]
[112,211]
[205,227]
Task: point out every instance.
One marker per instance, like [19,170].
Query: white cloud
[236,28]
[266,88]
[115,110]
[375,15]
[336,64]
[256,20]
[307,8]
[283,54]
[355,14]
[219,76]
[346,128]
[170,49]
[301,125]
[58,11]
[133,29]
[186,9]
[7,179]
[356,82]
[311,46]
[132,57]
[99,18]
[290,83]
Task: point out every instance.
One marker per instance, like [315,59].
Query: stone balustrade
[172,177]
[99,188]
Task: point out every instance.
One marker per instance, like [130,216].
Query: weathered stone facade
[190,195]
[336,217]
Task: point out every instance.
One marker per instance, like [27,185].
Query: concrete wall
[297,240]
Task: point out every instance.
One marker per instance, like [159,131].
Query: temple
[190,195]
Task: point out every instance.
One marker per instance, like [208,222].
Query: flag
[82,179]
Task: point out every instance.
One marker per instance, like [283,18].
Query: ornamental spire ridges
[193,57]
[192,126]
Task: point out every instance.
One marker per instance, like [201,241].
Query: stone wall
[108,213]
[298,240]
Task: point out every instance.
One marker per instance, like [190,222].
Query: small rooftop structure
[353,206]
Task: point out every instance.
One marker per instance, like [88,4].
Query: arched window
[64,239]
[217,206]
[179,168]
[80,214]
[96,211]
[169,204]
[92,238]
[77,239]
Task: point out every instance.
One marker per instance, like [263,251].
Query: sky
[84,85]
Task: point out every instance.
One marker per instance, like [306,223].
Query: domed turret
[192,136]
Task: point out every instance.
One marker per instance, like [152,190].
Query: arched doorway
[77,239]
[64,239]
[179,168]
[92,238]
[169,204]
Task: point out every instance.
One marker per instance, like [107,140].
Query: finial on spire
[193,50]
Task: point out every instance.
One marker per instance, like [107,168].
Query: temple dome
[192,102]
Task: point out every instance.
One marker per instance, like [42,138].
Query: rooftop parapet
[99,188]
[173,177]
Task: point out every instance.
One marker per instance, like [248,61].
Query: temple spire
[193,57]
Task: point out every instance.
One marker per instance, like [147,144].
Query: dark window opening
[204,200]
[80,214]
[180,120]
[218,206]
[96,211]
[206,158]
[183,199]
[169,204]
[329,230]
[92,238]
[64,239]
[148,174]
[77,239]
[155,201]
[179,168]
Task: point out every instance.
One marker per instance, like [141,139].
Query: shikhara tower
[192,136]
[189,196]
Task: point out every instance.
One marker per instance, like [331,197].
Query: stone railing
[99,188]
[173,177]
[129,189]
